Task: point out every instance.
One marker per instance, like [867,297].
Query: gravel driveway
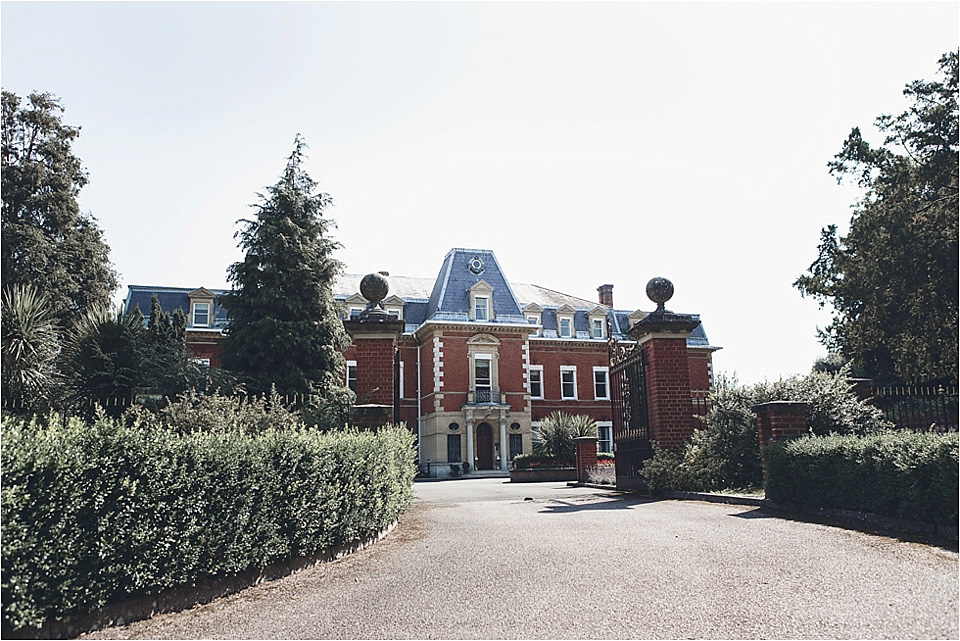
[486,558]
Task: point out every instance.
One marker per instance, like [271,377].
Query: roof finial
[659,290]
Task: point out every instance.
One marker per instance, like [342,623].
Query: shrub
[603,474]
[93,513]
[908,475]
[539,461]
[554,436]
[726,453]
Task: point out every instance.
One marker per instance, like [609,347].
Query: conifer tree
[285,327]
[46,241]
[893,279]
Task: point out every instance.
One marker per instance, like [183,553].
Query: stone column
[470,458]
[504,451]
[375,334]
[662,335]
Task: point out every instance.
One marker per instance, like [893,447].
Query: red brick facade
[470,361]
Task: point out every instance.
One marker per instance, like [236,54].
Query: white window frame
[193,313]
[489,359]
[569,332]
[606,383]
[597,324]
[400,382]
[539,370]
[351,366]
[573,370]
[601,442]
[534,320]
[484,308]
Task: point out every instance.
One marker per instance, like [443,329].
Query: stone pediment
[533,308]
[203,292]
[483,339]
[481,286]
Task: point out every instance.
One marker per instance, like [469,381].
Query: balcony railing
[484,396]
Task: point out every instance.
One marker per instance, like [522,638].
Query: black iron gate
[631,433]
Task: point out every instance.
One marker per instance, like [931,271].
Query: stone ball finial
[659,290]
[374,287]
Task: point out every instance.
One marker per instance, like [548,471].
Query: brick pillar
[779,420]
[662,336]
[375,336]
[586,456]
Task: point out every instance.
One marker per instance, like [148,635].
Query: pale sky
[584,143]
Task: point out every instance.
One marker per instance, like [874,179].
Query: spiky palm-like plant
[554,436]
[29,348]
[101,357]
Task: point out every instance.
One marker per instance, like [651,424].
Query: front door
[484,447]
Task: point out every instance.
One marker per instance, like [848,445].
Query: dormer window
[201,307]
[534,315]
[565,321]
[481,302]
[596,329]
[598,322]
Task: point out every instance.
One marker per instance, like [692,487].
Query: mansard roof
[447,297]
[172,298]
[444,298]
[461,270]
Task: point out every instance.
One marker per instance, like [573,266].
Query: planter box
[536,475]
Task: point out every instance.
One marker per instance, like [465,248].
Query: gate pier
[651,387]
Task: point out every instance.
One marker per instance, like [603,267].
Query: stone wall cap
[778,405]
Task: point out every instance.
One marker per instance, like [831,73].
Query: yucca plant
[101,357]
[29,346]
[554,436]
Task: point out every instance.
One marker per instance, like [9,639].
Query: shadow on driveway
[557,506]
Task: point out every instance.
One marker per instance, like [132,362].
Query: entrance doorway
[484,447]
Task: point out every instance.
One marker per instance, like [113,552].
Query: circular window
[454,427]
[476,265]
[515,426]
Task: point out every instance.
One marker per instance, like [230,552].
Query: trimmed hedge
[95,513]
[906,475]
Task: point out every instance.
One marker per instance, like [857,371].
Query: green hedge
[95,513]
[907,475]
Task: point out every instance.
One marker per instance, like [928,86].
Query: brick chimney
[606,295]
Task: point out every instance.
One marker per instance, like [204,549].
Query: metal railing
[919,408]
[485,396]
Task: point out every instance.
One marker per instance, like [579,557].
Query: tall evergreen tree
[46,241]
[285,327]
[893,279]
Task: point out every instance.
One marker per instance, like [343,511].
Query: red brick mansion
[468,359]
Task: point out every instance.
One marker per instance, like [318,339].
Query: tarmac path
[484,558]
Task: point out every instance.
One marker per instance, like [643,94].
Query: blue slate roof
[446,298]
[461,270]
[171,298]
